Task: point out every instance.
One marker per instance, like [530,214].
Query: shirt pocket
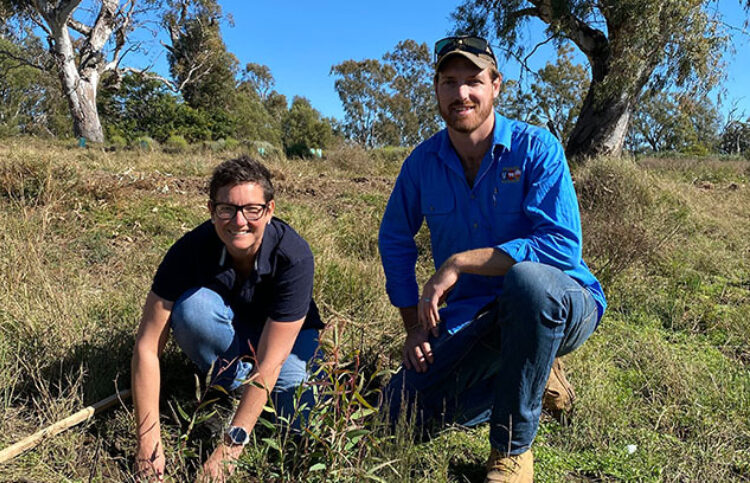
[507,218]
[507,198]
[440,211]
[436,204]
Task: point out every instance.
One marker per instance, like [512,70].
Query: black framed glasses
[251,212]
[466,43]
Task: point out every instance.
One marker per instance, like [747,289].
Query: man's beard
[467,124]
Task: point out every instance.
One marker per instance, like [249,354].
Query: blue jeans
[495,368]
[204,327]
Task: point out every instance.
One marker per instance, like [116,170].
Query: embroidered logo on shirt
[511,174]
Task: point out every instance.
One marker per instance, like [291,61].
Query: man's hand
[221,464]
[417,352]
[434,293]
[149,462]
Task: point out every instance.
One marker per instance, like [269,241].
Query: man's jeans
[203,326]
[495,368]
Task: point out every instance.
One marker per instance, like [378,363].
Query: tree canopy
[389,102]
[630,44]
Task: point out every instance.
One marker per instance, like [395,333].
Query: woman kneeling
[237,294]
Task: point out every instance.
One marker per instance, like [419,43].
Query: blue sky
[301,40]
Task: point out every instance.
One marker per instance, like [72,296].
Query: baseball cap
[475,49]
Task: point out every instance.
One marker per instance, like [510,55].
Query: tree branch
[525,12]
[146,74]
[22,61]
[591,41]
[57,13]
[79,27]
[536,47]
[120,34]
[104,25]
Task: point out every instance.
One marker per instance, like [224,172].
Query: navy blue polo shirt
[279,287]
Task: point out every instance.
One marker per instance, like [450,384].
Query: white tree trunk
[80,74]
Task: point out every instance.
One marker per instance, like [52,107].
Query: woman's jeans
[204,327]
[495,368]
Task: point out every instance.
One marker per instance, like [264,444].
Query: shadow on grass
[467,472]
[96,369]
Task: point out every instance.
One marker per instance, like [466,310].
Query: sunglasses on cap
[466,43]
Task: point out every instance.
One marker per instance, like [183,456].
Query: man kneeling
[505,232]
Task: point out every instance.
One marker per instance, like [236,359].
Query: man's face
[241,237]
[465,95]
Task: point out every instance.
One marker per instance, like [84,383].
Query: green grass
[667,373]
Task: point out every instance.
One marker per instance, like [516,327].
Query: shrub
[617,203]
[263,149]
[231,144]
[117,141]
[214,146]
[144,143]
[176,144]
[392,154]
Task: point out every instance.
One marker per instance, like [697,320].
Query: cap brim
[481,62]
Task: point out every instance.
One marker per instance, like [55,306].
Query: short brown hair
[241,170]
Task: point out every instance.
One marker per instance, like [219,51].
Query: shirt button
[473,196]
[432,208]
[476,226]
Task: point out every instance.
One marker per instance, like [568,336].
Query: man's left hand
[221,464]
[434,293]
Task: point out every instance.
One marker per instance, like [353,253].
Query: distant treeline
[386,102]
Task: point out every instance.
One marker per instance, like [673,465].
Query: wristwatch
[236,436]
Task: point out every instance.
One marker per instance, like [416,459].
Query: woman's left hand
[220,465]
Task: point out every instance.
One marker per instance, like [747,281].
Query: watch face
[238,435]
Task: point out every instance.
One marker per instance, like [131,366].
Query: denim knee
[191,310]
[525,282]
[201,323]
[529,290]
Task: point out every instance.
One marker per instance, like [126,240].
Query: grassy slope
[83,230]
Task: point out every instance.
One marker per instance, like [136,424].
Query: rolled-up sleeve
[398,250]
[551,205]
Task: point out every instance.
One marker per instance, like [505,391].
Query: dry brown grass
[83,230]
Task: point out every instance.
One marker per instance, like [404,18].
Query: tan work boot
[503,468]
[558,393]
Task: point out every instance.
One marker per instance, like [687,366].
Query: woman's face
[242,236]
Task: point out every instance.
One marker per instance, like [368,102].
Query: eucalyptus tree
[362,88]
[559,91]
[675,121]
[412,103]
[202,68]
[84,43]
[389,101]
[629,44]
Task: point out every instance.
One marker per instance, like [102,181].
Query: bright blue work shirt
[522,202]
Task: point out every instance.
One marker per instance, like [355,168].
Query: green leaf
[182,412]
[266,423]
[272,443]
[269,409]
[205,417]
[197,388]
[362,400]
[317,467]
[362,412]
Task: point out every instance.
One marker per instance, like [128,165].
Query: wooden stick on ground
[54,429]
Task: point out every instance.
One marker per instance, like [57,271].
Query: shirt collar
[262,263]
[265,252]
[501,140]
[502,133]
